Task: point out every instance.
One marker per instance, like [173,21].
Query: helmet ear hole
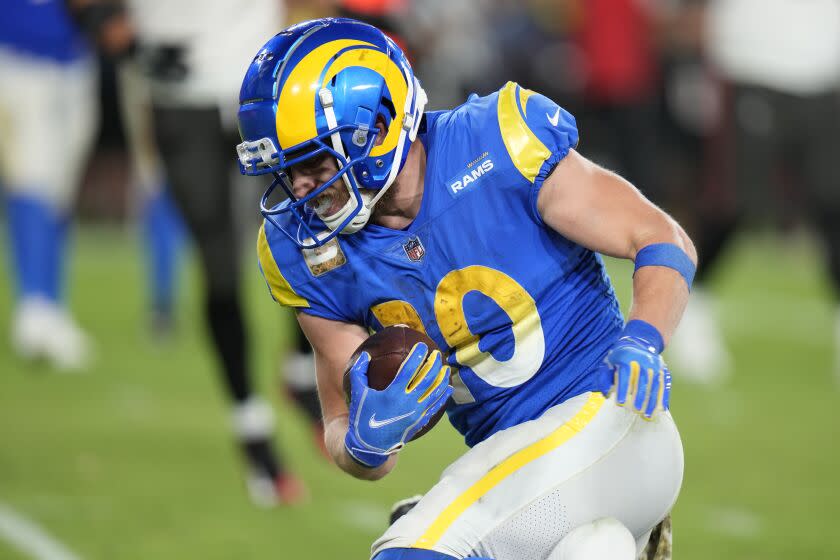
[385,102]
[381,129]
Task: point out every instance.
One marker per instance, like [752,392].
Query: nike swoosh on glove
[381,422]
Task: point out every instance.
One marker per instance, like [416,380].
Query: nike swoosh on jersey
[554,119]
[374,423]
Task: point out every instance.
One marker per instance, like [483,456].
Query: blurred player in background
[387,15]
[618,58]
[452,45]
[161,224]
[191,54]
[484,234]
[48,115]
[780,65]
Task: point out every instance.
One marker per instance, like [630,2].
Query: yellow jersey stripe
[507,467]
[280,288]
[524,148]
[524,94]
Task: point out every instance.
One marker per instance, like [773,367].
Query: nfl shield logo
[414,249]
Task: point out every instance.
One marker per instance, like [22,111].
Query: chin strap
[359,220]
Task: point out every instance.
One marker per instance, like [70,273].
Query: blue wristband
[669,255]
[646,332]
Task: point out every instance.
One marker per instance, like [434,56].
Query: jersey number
[512,298]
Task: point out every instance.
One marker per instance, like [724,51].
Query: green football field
[134,459]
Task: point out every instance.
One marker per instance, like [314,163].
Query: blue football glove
[381,422]
[635,371]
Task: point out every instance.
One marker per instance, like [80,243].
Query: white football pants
[136,112]
[516,495]
[48,116]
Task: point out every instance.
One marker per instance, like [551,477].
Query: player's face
[314,172]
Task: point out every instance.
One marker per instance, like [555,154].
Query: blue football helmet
[319,87]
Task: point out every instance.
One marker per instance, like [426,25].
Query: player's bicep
[599,210]
[333,343]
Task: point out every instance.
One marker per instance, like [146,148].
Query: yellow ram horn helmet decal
[296,103]
[394,79]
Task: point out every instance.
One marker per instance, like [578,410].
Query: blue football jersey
[42,28]
[524,314]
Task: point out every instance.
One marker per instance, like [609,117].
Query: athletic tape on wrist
[668,255]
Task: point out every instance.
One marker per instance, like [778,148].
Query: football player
[482,227]
[163,229]
[182,50]
[48,117]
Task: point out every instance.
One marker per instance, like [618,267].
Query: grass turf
[134,460]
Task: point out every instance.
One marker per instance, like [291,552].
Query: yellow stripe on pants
[507,467]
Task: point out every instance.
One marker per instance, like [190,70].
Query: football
[388,348]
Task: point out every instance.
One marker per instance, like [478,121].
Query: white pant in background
[48,116]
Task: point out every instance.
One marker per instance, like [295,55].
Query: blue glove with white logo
[635,371]
[381,422]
